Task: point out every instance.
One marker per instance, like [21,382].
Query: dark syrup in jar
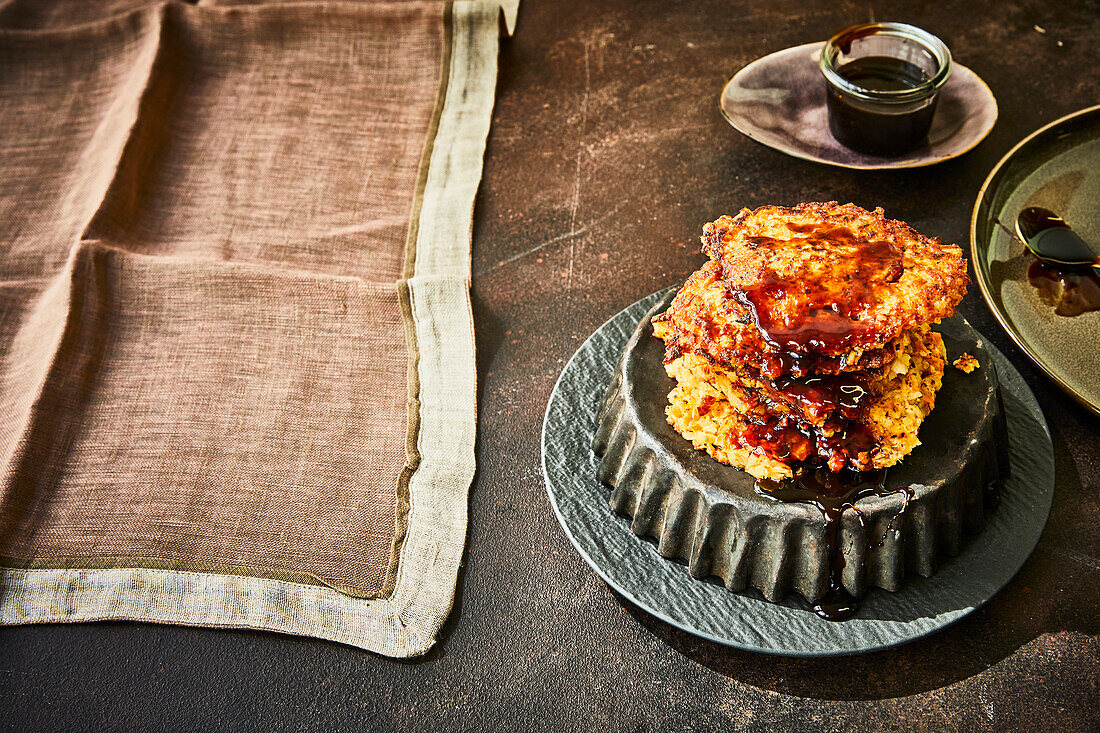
[872,127]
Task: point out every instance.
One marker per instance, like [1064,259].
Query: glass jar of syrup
[881,82]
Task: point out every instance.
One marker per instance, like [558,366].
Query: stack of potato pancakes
[805,339]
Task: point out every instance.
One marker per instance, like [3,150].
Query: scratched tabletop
[607,155]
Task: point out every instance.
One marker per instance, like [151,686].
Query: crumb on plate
[965,363]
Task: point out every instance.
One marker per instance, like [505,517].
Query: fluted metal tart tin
[710,515]
[634,565]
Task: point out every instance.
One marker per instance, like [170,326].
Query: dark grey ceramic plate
[1056,167]
[633,567]
[779,100]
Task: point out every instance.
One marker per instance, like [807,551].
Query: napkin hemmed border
[406,622]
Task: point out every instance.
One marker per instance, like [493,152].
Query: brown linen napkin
[236,352]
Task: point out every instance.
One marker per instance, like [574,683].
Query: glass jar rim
[925,89]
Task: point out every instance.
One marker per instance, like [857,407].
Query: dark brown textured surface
[607,155]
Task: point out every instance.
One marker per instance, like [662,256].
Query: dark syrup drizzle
[834,493]
[820,395]
[787,439]
[821,315]
[838,400]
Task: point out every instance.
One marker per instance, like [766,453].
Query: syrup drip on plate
[1071,292]
[833,494]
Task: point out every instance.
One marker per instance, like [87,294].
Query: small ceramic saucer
[779,100]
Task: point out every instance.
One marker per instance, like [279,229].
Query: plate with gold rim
[1056,167]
